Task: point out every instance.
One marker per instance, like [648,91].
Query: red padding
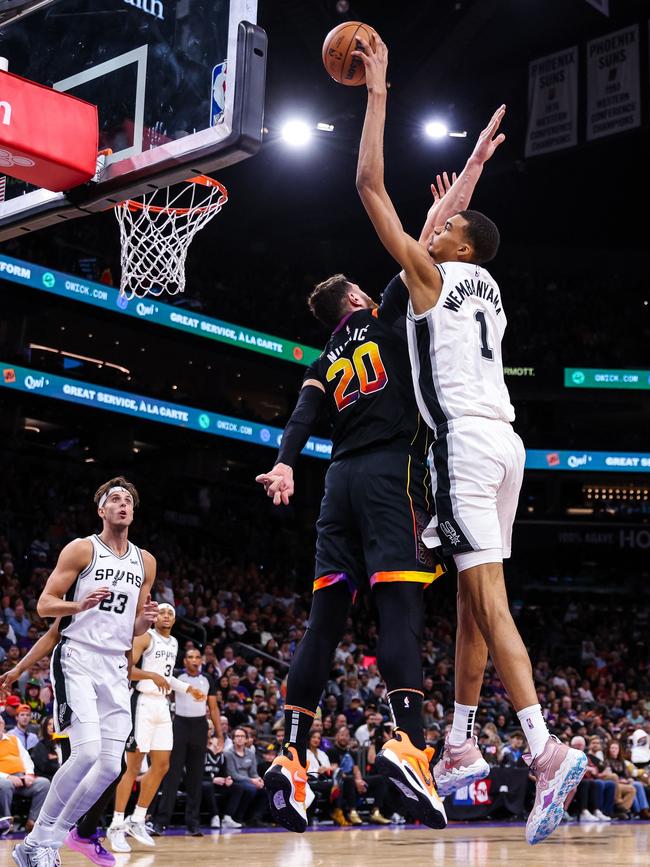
[46,138]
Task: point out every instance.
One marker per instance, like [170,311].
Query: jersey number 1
[346,391]
[486,352]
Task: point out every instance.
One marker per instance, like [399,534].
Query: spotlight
[436,129]
[296,133]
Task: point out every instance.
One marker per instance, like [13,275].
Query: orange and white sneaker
[409,770]
[288,791]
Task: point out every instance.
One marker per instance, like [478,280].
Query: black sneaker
[194,831]
[156,829]
[258,823]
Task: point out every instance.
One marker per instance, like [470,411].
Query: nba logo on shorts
[450,533]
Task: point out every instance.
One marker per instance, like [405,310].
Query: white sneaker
[601,816]
[396,819]
[215,821]
[586,816]
[35,856]
[138,831]
[229,822]
[115,836]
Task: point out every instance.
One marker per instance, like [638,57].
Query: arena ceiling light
[436,129]
[296,133]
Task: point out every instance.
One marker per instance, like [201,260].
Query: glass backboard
[179,86]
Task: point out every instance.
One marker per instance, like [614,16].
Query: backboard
[179,86]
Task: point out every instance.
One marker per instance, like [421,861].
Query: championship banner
[613,83]
[552,102]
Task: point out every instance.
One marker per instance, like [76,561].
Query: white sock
[463,724]
[534,727]
[118,819]
[139,814]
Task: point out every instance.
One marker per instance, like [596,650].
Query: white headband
[114,490]
[167,605]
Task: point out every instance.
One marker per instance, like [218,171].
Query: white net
[156,231]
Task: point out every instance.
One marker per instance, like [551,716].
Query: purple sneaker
[91,848]
[557,770]
[459,766]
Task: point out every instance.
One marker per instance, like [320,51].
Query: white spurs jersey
[455,349]
[159,657]
[108,627]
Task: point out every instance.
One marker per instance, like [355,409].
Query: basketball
[337,52]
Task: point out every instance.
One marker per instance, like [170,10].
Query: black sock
[406,705]
[297,723]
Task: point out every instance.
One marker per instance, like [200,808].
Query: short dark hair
[326,299]
[482,234]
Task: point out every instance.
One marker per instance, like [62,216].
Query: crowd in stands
[591,667]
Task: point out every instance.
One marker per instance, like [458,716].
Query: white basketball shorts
[476,475]
[91,686]
[152,723]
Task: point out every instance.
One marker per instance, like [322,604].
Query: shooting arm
[423,282]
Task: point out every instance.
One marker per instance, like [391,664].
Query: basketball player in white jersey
[98,588]
[152,735]
[455,325]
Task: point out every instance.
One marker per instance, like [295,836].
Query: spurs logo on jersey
[159,657]
[108,626]
[455,349]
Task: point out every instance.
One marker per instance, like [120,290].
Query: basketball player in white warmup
[156,651]
[98,588]
[455,325]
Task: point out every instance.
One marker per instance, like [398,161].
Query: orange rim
[204,180]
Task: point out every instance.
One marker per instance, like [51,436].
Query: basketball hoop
[156,231]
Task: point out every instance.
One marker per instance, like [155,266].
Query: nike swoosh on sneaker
[298,778]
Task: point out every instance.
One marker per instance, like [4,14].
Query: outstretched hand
[488,141]
[278,484]
[375,61]
[441,186]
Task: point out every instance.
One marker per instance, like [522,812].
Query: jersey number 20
[363,374]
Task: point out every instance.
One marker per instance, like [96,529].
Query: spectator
[216,779]
[590,794]
[233,711]
[626,793]
[46,754]
[248,795]
[353,784]
[262,723]
[19,621]
[490,744]
[366,732]
[17,776]
[10,712]
[24,731]
[511,756]
[319,768]
[250,682]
